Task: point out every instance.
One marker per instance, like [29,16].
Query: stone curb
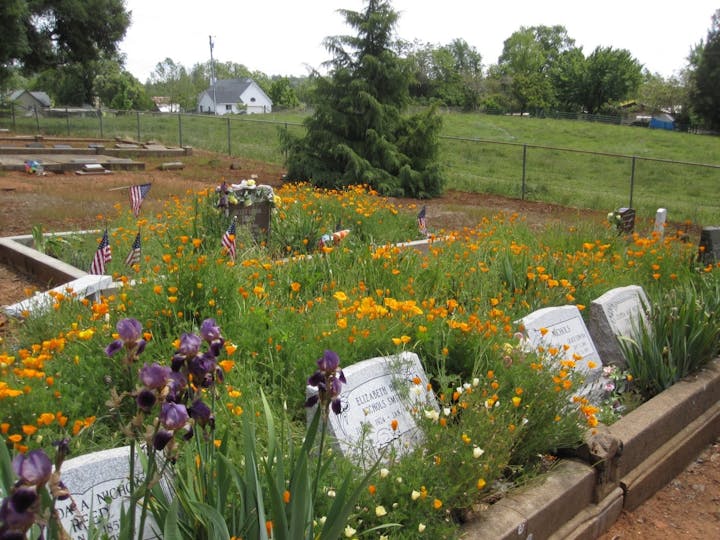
[582,499]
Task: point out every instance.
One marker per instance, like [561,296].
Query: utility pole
[212,76]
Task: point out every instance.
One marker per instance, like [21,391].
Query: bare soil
[687,508]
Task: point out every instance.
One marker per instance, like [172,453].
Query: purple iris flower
[154,375]
[201,413]
[33,468]
[146,399]
[173,415]
[177,382]
[328,379]
[130,337]
[210,331]
[189,344]
[161,439]
[14,521]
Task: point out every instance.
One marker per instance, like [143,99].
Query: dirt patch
[689,507]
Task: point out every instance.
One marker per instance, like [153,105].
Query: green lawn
[574,163]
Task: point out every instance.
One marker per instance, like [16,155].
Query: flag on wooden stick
[137,195]
[228,239]
[422,225]
[133,257]
[103,255]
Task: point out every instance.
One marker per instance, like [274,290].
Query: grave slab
[615,315]
[378,391]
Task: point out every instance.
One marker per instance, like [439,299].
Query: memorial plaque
[379,391]
[627,220]
[614,315]
[99,485]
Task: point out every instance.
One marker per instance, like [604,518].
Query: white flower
[459,389]
[476,382]
[421,527]
[331,493]
[416,391]
[466,386]
[447,411]
[322,520]
[399,479]
[384,472]
[477,452]
[380,511]
[432,414]
[349,532]
[415,495]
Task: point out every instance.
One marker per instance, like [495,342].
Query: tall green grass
[573,163]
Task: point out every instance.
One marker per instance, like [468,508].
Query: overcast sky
[283,37]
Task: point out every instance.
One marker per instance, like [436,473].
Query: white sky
[282,37]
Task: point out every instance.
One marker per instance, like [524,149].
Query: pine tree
[360,132]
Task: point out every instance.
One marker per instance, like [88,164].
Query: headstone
[99,486]
[627,220]
[253,209]
[84,287]
[563,327]
[379,391]
[709,248]
[660,219]
[615,315]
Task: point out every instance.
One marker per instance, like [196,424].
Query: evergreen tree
[705,95]
[360,132]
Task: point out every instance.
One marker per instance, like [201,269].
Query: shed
[30,101]
[662,121]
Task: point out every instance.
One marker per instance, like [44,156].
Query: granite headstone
[615,315]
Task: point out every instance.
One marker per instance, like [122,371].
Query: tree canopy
[360,132]
[47,34]
[705,93]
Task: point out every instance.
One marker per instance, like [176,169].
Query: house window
[228,107]
[201,108]
[252,99]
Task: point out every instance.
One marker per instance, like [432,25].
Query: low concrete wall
[581,500]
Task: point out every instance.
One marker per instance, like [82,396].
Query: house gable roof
[230,90]
[41,97]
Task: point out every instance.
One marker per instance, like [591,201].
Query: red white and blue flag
[422,225]
[228,239]
[133,257]
[103,255]
[137,195]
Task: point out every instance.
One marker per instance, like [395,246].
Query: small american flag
[228,239]
[133,257]
[422,225]
[137,195]
[103,255]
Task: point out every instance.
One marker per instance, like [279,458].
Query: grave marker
[709,248]
[563,327]
[99,487]
[378,391]
[614,315]
[660,219]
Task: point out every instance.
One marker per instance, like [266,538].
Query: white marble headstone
[99,485]
[564,328]
[617,314]
[660,219]
[379,391]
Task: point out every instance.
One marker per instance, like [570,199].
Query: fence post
[137,115]
[228,136]
[180,128]
[524,166]
[100,122]
[632,182]
[12,109]
[67,120]
[37,119]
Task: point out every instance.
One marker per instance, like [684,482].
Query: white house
[234,96]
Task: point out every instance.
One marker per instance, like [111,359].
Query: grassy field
[572,163]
